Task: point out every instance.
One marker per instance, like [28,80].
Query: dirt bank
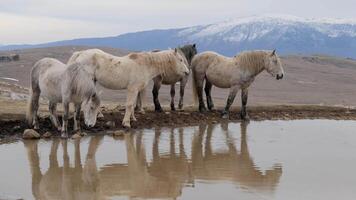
[12,125]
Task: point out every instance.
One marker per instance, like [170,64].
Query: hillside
[309,79]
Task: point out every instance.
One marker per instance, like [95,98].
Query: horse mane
[164,61]
[81,81]
[189,52]
[253,61]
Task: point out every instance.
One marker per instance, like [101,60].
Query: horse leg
[173,93]
[133,115]
[230,100]
[131,99]
[76,126]
[183,82]
[139,102]
[244,95]
[53,115]
[65,120]
[35,103]
[157,85]
[199,88]
[209,100]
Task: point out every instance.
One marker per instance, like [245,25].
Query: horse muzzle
[279,76]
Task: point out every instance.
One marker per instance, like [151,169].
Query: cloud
[44,20]
[29,29]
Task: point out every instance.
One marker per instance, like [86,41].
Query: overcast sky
[37,21]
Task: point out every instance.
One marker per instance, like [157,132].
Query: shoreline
[12,125]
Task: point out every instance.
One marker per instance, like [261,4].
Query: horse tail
[194,82]
[34,94]
[29,113]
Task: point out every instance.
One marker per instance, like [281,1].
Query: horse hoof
[159,110]
[126,125]
[245,118]
[173,109]
[202,109]
[64,135]
[225,116]
[212,109]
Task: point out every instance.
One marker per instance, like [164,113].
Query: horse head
[91,108]
[274,65]
[182,63]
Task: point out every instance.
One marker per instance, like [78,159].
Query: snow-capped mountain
[287,34]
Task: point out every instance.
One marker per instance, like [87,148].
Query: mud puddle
[300,159]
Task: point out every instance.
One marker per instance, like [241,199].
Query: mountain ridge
[288,34]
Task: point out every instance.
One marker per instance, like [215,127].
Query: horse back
[46,75]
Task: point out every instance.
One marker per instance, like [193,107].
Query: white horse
[235,73]
[61,84]
[171,79]
[131,72]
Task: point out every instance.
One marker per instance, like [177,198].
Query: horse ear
[175,50]
[194,45]
[273,52]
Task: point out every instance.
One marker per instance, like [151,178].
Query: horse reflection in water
[163,176]
[233,165]
[66,182]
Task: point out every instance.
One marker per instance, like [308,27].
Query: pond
[301,159]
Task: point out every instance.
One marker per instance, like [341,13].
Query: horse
[60,83]
[171,79]
[235,73]
[131,72]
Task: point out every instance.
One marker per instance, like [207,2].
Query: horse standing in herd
[76,81]
[235,73]
[61,83]
[131,72]
[171,79]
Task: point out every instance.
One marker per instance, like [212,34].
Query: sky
[39,21]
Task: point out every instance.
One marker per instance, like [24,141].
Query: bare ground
[315,87]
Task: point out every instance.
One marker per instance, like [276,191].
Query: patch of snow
[18,96]
[9,79]
[251,28]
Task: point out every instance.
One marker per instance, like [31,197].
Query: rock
[30,134]
[16,128]
[100,115]
[83,134]
[47,135]
[119,133]
[110,124]
[76,136]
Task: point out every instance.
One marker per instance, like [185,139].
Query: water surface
[303,159]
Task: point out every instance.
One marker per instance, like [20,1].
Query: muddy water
[304,159]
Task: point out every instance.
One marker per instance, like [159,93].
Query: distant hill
[308,79]
[288,34]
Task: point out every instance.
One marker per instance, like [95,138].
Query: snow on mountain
[250,28]
[288,34]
